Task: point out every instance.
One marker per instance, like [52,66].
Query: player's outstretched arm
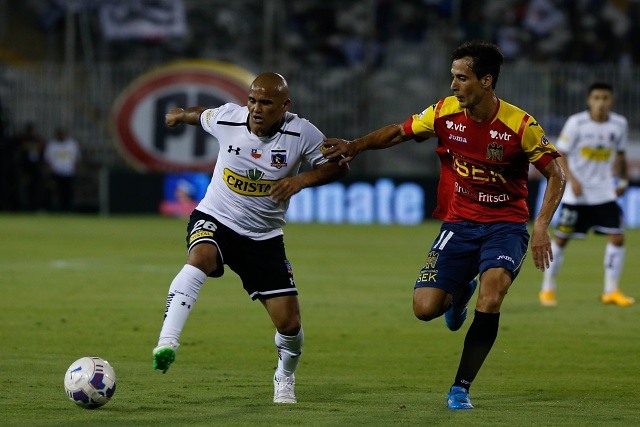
[323,174]
[384,137]
[177,116]
[540,240]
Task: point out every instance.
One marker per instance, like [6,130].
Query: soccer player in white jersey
[239,221]
[592,144]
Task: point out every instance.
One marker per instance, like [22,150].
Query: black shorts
[261,264]
[576,220]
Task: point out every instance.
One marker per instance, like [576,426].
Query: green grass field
[77,285]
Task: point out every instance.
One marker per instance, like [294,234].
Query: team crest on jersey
[278,158]
[432,259]
[544,141]
[256,153]
[495,152]
[254,174]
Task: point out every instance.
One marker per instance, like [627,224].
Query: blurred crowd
[341,33]
[591,31]
[38,174]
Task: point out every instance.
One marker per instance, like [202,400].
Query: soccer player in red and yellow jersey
[485,147]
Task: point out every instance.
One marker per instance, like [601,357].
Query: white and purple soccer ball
[90,382]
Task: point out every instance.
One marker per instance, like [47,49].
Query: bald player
[239,221]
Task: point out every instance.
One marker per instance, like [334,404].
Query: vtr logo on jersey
[139,113]
[455,126]
[504,136]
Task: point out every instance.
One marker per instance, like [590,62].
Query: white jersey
[590,148]
[248,166]
[62,156]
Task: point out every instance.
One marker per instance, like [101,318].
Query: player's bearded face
[266,109]
[464,84]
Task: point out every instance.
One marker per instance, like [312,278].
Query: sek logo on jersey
[477,173]
[250,185]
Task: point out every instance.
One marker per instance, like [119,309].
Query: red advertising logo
[138,114]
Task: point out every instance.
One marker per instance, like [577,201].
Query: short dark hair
[600,85]
[486,57]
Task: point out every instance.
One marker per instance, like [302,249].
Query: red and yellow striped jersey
[484,165]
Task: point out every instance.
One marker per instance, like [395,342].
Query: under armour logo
[237,150]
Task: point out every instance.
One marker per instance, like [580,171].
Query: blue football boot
[455,316]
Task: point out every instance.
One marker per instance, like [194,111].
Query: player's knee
[490,302]
[289,327]
[617,239]
[424,311]
[429,303]
[204,257]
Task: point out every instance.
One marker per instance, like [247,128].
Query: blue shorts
[465,249]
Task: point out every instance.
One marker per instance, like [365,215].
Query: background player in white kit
[592,144]
[239,221]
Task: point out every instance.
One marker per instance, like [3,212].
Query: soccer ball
[90,382]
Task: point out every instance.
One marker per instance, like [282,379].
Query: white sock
[289,351]
[549,278]
[613,261]
[182,297]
